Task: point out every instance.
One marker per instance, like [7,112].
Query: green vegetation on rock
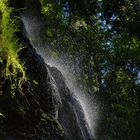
[12,70]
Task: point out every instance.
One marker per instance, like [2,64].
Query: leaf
[1,115]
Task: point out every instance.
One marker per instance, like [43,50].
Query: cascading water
[78,113]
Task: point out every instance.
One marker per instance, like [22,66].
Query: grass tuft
[10,42]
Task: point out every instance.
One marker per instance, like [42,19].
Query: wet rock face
[55,98]
[52,110]
[52,97]
[60,101]
[71,115]
[44,91]
[41,103]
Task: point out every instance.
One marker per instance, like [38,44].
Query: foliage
[102,38]
[10,43]
[12,71]
[124,15]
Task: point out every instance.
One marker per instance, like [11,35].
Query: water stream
[80,104]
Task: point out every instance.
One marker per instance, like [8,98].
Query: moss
[12,71]
[10,42]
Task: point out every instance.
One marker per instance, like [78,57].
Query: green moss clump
[12,71]
[10,43]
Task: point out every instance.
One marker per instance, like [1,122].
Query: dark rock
[71,115]
[16,3]
[52,111]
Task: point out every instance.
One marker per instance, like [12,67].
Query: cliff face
[38,99]
[50,111]
[71,115]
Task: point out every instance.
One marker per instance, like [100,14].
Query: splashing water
[34,26]
[87,101]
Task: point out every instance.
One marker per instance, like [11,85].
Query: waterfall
[78,112]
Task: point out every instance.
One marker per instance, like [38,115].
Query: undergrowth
[10,44]
[11,68]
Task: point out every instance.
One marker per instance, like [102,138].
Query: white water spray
[33,26]
[87,101]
